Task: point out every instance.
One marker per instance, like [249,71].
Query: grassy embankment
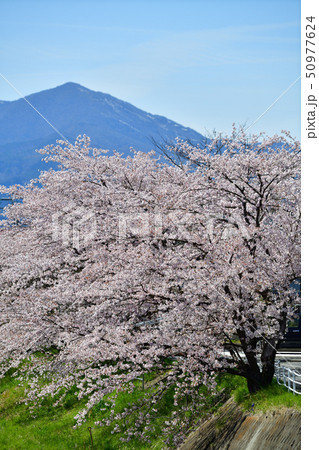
[52,427]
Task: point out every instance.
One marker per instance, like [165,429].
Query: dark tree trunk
[260,377]
[257,375]
[253,374]
[268,362]
[254,382]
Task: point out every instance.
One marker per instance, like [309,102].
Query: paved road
[290,359]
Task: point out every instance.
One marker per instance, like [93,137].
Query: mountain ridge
[75,110]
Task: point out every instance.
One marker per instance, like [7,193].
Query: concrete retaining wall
[233,429]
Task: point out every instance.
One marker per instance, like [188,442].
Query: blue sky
[204,64]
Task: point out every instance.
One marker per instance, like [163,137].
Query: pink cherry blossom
[181,263]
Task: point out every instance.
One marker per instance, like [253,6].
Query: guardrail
[288,378]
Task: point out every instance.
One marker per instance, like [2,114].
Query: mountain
[73,109]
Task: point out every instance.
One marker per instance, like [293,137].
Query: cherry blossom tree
[181,265]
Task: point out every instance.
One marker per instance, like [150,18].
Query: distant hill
[73,109]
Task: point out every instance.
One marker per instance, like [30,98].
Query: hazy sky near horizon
[204,64]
